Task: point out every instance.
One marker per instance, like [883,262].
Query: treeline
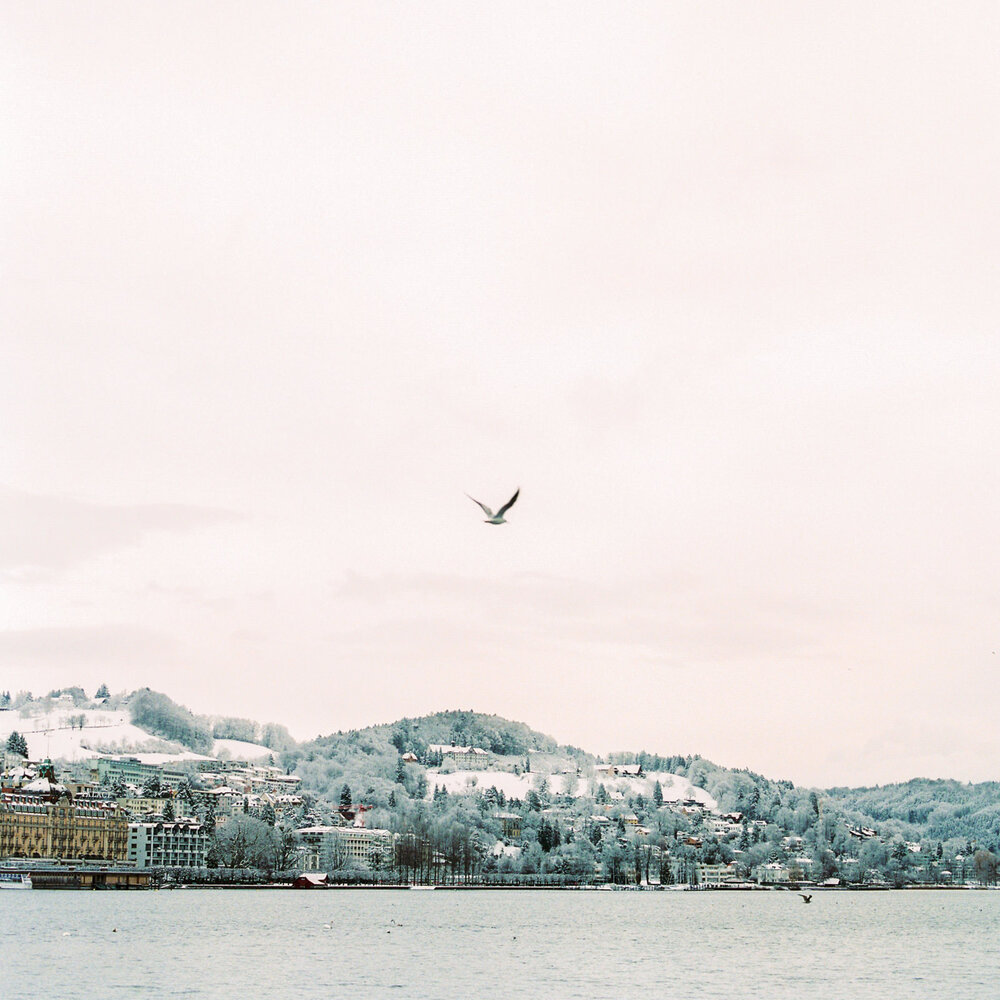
[937,809]
[44,703]
[499,736]
[369,760]
[268,734]
[163,717]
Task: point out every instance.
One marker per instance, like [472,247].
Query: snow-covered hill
[516,786]
[59,735]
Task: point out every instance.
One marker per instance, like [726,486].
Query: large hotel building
[32,826]
[44,821]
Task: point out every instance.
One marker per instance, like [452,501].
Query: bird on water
[498,517]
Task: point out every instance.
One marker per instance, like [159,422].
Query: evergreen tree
[5,700]
[345,796]
[102,692]
[665,876]
[545,836]
[657,795]
[267,814]
[16,743]
[168,812]
[185,794]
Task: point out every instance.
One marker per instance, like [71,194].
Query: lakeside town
[388,806]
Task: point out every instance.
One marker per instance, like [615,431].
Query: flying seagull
[497,518]
[805,898]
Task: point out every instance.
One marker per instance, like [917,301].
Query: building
[715,875]
[618,770]
[167,845]
[772,873]
[463,758]
[225,801]
[55,826]
[726,825]
[699,873]
[131,770]
[141,807]
[327,848]
[510,824]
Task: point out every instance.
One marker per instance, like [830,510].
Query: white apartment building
[167,845]
[326,848]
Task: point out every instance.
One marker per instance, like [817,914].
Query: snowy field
[517,786]
[240,750]
[57,734]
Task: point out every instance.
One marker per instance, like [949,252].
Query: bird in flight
[497,518]
[805,898]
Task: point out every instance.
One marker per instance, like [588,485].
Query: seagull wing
[486,509]
[510,503]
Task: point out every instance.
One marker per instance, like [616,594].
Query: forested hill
[938,809]
[367,759]
[370,761]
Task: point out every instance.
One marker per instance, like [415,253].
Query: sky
[716,285]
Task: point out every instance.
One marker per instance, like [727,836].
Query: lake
[273,944]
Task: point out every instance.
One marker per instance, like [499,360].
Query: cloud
[39,532]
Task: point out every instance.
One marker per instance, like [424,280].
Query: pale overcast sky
[715,284]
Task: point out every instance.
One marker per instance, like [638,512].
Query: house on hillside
[462,758]
[723,827]
[619,770]
[510,824]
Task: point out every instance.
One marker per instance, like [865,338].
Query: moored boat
[15,880]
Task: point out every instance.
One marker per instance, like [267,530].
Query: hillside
[71,727]
[524,764]
[937,809]
[367,759]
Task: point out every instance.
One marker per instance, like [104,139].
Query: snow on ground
[57,734]
[516,786]
[674,787]
[239,750]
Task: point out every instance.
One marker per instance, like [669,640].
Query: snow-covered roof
[45,786]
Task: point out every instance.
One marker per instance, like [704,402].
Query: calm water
[490,944]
